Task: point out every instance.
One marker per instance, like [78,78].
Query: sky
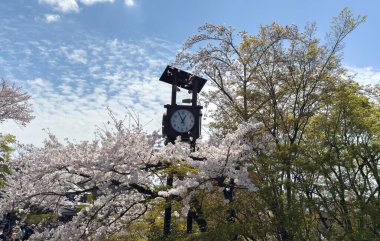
[79,58]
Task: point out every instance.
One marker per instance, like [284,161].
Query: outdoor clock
[182,120]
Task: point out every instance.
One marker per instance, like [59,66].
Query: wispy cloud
[129,3]
[73,81]
[90,2]
[365,75]
[50,18]
[76,55]
[69,6]
[64,6]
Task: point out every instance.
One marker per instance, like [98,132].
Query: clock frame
[171,132]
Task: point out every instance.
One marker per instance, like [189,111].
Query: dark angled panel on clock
[182,78]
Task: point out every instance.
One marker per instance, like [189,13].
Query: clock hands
[180,115]
[182,119]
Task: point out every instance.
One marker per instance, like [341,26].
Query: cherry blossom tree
[124,171]
[14,104]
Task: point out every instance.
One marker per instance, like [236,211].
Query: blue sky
[76,57]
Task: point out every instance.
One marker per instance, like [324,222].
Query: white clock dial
[182,120]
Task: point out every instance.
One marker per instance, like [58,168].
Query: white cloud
[64,6]
[67,6]
[71,99]
[76,56]
[50,18]
[90,2]
[365,75]
[129,3]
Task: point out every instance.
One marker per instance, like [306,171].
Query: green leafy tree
[344,191]
[5,151]
[282,77]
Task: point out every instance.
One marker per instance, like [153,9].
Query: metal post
[168,209]
[174,92]
[194,99]
[169,180]
[191,214]
[189,226]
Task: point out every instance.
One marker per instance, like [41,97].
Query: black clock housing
[171,134]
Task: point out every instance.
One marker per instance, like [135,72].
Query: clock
[182,120]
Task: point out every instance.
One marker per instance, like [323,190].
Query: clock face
[182,120]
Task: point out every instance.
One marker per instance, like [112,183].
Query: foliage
[41,218]
[285,78]
[124,172]
[5,151]
[346,189]
[14,104]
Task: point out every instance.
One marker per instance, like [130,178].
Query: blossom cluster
[122,170]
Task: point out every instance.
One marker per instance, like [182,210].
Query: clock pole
[169,179]
[174,92]
[194,96]
[186,125]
